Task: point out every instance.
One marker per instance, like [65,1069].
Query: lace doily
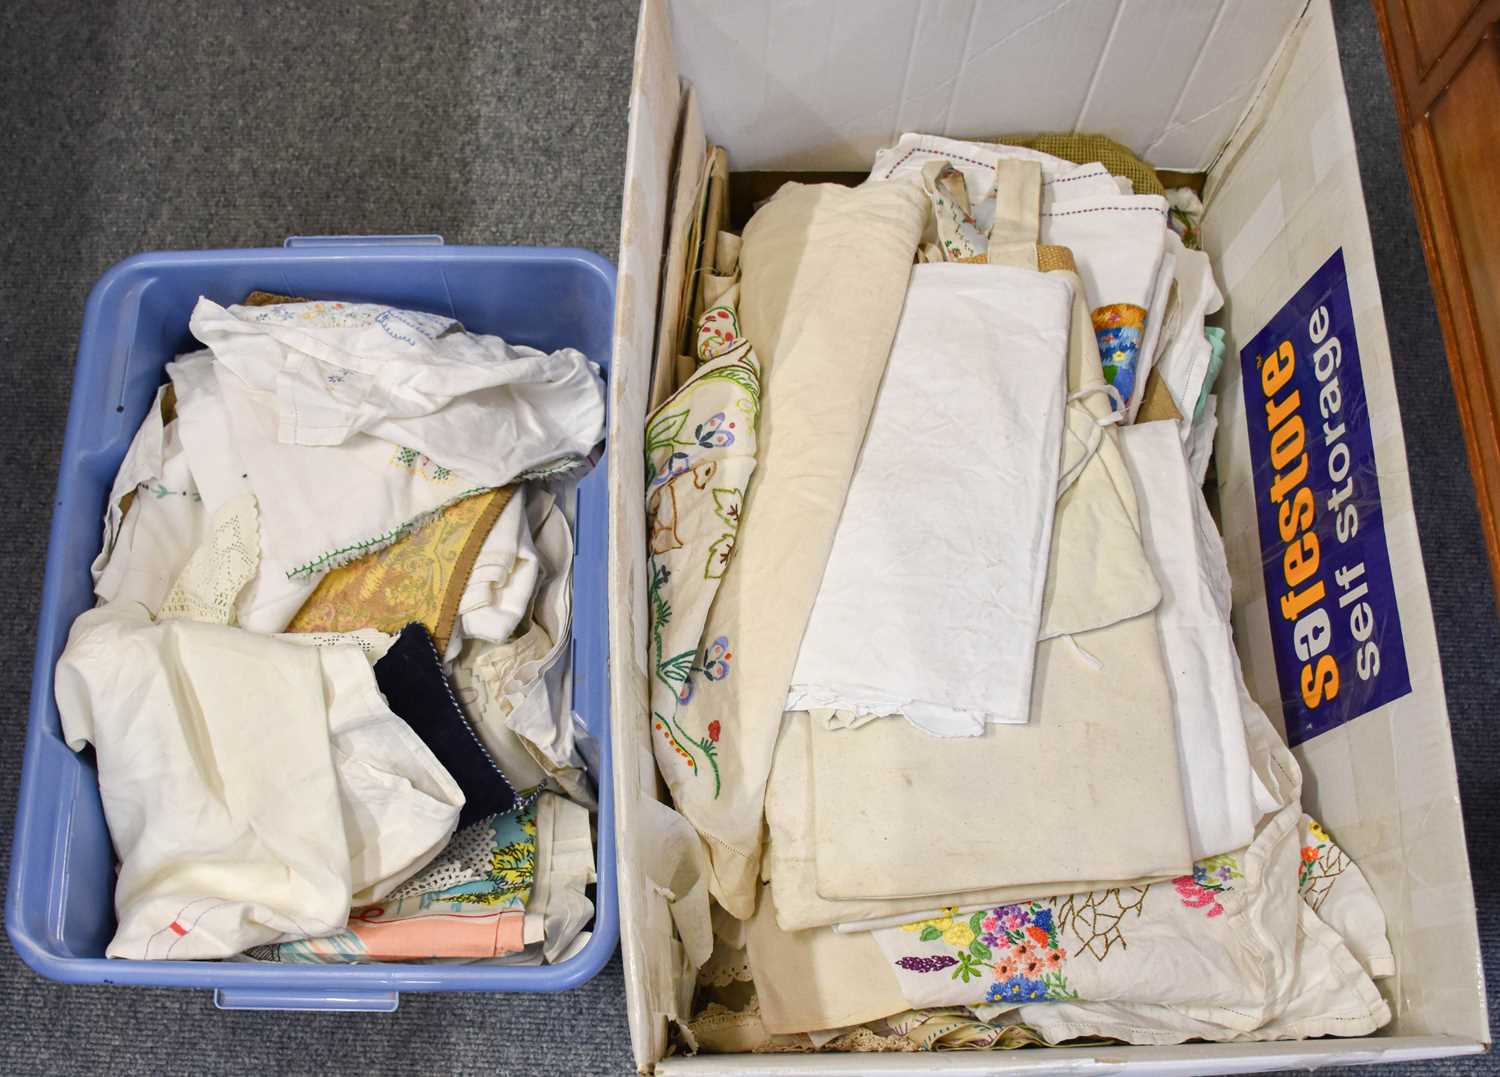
[725,966]
[368,640]
[211,582]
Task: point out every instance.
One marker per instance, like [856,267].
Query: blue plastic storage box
[60,905]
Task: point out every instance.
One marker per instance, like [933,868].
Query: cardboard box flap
[660,977]
[1286,228]
[788,85]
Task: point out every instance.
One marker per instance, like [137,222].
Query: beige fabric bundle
[824,272]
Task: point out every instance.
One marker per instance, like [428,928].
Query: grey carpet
[130,126]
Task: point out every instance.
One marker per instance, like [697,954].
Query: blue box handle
[363,241]
[271,998]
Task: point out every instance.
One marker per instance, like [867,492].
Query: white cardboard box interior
[1247,90]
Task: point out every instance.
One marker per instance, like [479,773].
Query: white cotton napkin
[1197,646]
[931,601]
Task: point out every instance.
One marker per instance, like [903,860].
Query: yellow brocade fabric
[420,578]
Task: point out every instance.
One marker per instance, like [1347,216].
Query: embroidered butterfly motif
[716,659]
[714,433]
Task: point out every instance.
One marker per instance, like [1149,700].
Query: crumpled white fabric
[1183,358]
[1199,445]
[505,575]
[254,788]
[146,547]
[1219,786]
[931,601]
[1162,317]
[506,686]
[319,507]
[484,407]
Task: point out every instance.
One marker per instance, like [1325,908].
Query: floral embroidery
[705,431]
[1321,864]
[1120,328]
[1211,877]
[421,464]
[1017,944]
[716,658]
[927,964]
[958,230]
[161,490]
[718,332]
[716,433]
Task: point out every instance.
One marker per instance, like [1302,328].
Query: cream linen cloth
[824,271]
[796,994]
[255,788]
[791,858]
[1245,946]
[1193,621]
[1101,705]
[931,599]
[333,370]
[1088,789]
[1098,575]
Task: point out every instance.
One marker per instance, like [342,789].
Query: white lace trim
[211,582]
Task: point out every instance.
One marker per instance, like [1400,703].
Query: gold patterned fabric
[419,578]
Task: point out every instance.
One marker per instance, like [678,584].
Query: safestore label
[1335,629]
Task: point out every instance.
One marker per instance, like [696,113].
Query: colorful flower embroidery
[716,658]
[421,464]
[1210,878]
[715,433]
[1321,864]
[705,431]
[718,332]
[1017,944]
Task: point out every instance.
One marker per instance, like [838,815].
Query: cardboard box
[1250,92]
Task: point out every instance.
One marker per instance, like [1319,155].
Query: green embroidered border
[344,554]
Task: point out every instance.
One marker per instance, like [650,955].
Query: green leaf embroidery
[1057,988]
[980,951]
[675,670]
[966,969]
[719,552]
[727,502]
[663,431]
[930,934]
[743,376]
[976,922]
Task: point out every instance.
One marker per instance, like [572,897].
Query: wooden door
[1444,57]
